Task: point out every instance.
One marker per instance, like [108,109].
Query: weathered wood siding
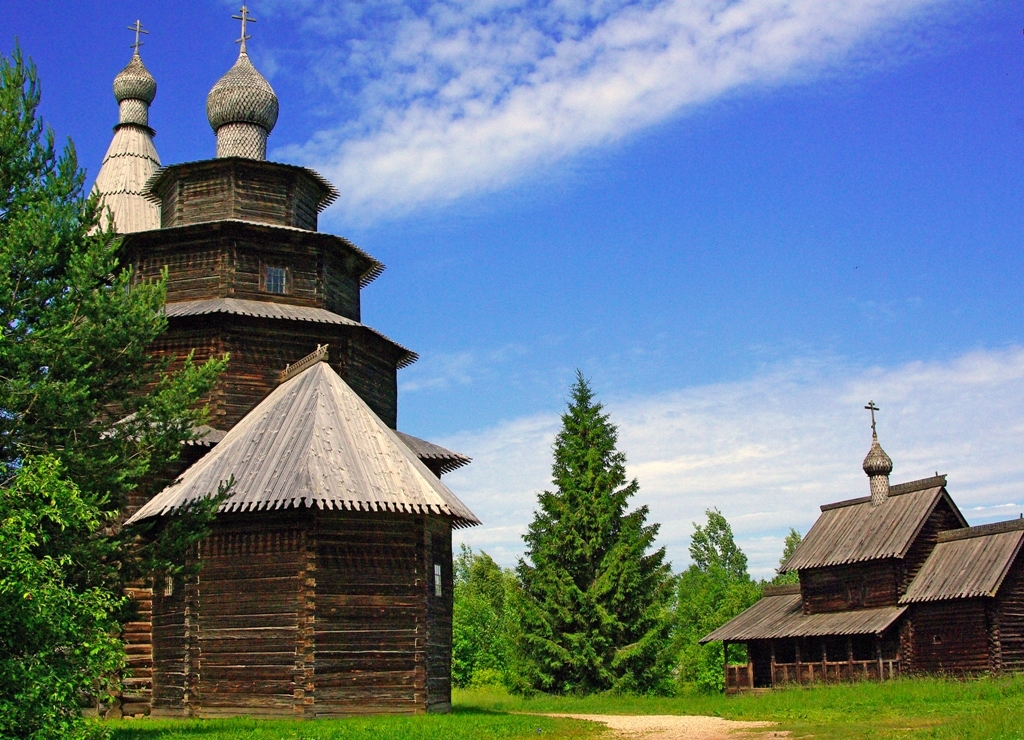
[371,626]
[843,587]
[261,348]
[951,637]
[1009,617]
[170,650]
[941,519]
[438,547]
[218,265]
[213,191]
[249,602]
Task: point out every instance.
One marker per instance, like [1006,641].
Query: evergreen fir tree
[595,597]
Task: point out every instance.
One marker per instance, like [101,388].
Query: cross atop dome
[244,17]
[137,27]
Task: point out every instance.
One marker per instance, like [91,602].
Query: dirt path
[673,727]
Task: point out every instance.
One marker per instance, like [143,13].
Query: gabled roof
[275,310]
[313,443]
[780,614]
[854,531]
[968,563]
[425,450]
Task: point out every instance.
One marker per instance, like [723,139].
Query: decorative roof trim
[982,530]
[293,369]
[899,489]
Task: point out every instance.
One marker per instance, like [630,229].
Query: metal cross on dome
[872,408]
[244,18]
[138,29]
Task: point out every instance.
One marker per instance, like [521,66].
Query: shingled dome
[314,443]
[877,461]
[242,108]
[134,82]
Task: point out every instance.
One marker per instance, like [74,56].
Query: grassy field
[914,708]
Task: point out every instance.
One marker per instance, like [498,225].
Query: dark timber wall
[951,637]
[844,587]
[1010,617]
[309,614]
[941,519]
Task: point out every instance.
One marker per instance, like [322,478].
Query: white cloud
[768,451]
[424,103]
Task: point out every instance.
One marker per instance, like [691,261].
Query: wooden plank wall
[170,653]
[370,627]
[260,350]
[438,547]
[950,637]
[247,614]
[1009,617]
[844,587]
[941,519]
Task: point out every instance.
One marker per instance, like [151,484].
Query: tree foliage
[714,589]
[85,415]
[789,545]
[484,622]
[595,595]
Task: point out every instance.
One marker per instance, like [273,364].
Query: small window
[936,639]
[276,280]
[437,579]
[168,586]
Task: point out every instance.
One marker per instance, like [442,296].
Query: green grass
[909,708]
[461,724]
[991,708]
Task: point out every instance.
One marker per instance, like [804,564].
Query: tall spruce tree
[595,596]
[85,415]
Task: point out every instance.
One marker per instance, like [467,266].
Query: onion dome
[242,108]
[877,462]
[131,158]
[135,82]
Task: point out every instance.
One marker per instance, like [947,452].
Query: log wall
[844,587]
[261,348]
[1009,617]
[304,613]
[215,190]
[951,637]
[941,519]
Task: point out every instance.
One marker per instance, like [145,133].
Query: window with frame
[275,279]
[437,579]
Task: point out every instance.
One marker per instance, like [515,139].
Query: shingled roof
[968,563]
[780,614]
[313,443]
[854,531]
[424,450]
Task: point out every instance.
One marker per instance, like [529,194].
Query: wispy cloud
[768,451]
[426,102]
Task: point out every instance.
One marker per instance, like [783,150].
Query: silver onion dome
[877,462]
[134,82]
[242,108]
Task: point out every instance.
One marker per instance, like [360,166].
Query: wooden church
[326,586]
[892,583]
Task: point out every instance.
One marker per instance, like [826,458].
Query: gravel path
[673,727]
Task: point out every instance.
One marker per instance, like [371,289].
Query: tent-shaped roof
[313,442]
[854,531]
[967,563]
[780,614]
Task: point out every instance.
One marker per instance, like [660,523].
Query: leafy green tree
[57,642]
[483,622]
[714,589]
[792,541]
[85,416]
[595,595]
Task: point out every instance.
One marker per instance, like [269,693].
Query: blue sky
[741,219]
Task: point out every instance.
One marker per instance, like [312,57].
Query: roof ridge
[782,589]
[935,481]
[982,530]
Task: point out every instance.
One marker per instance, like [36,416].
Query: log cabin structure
[889,584]
[325,587]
